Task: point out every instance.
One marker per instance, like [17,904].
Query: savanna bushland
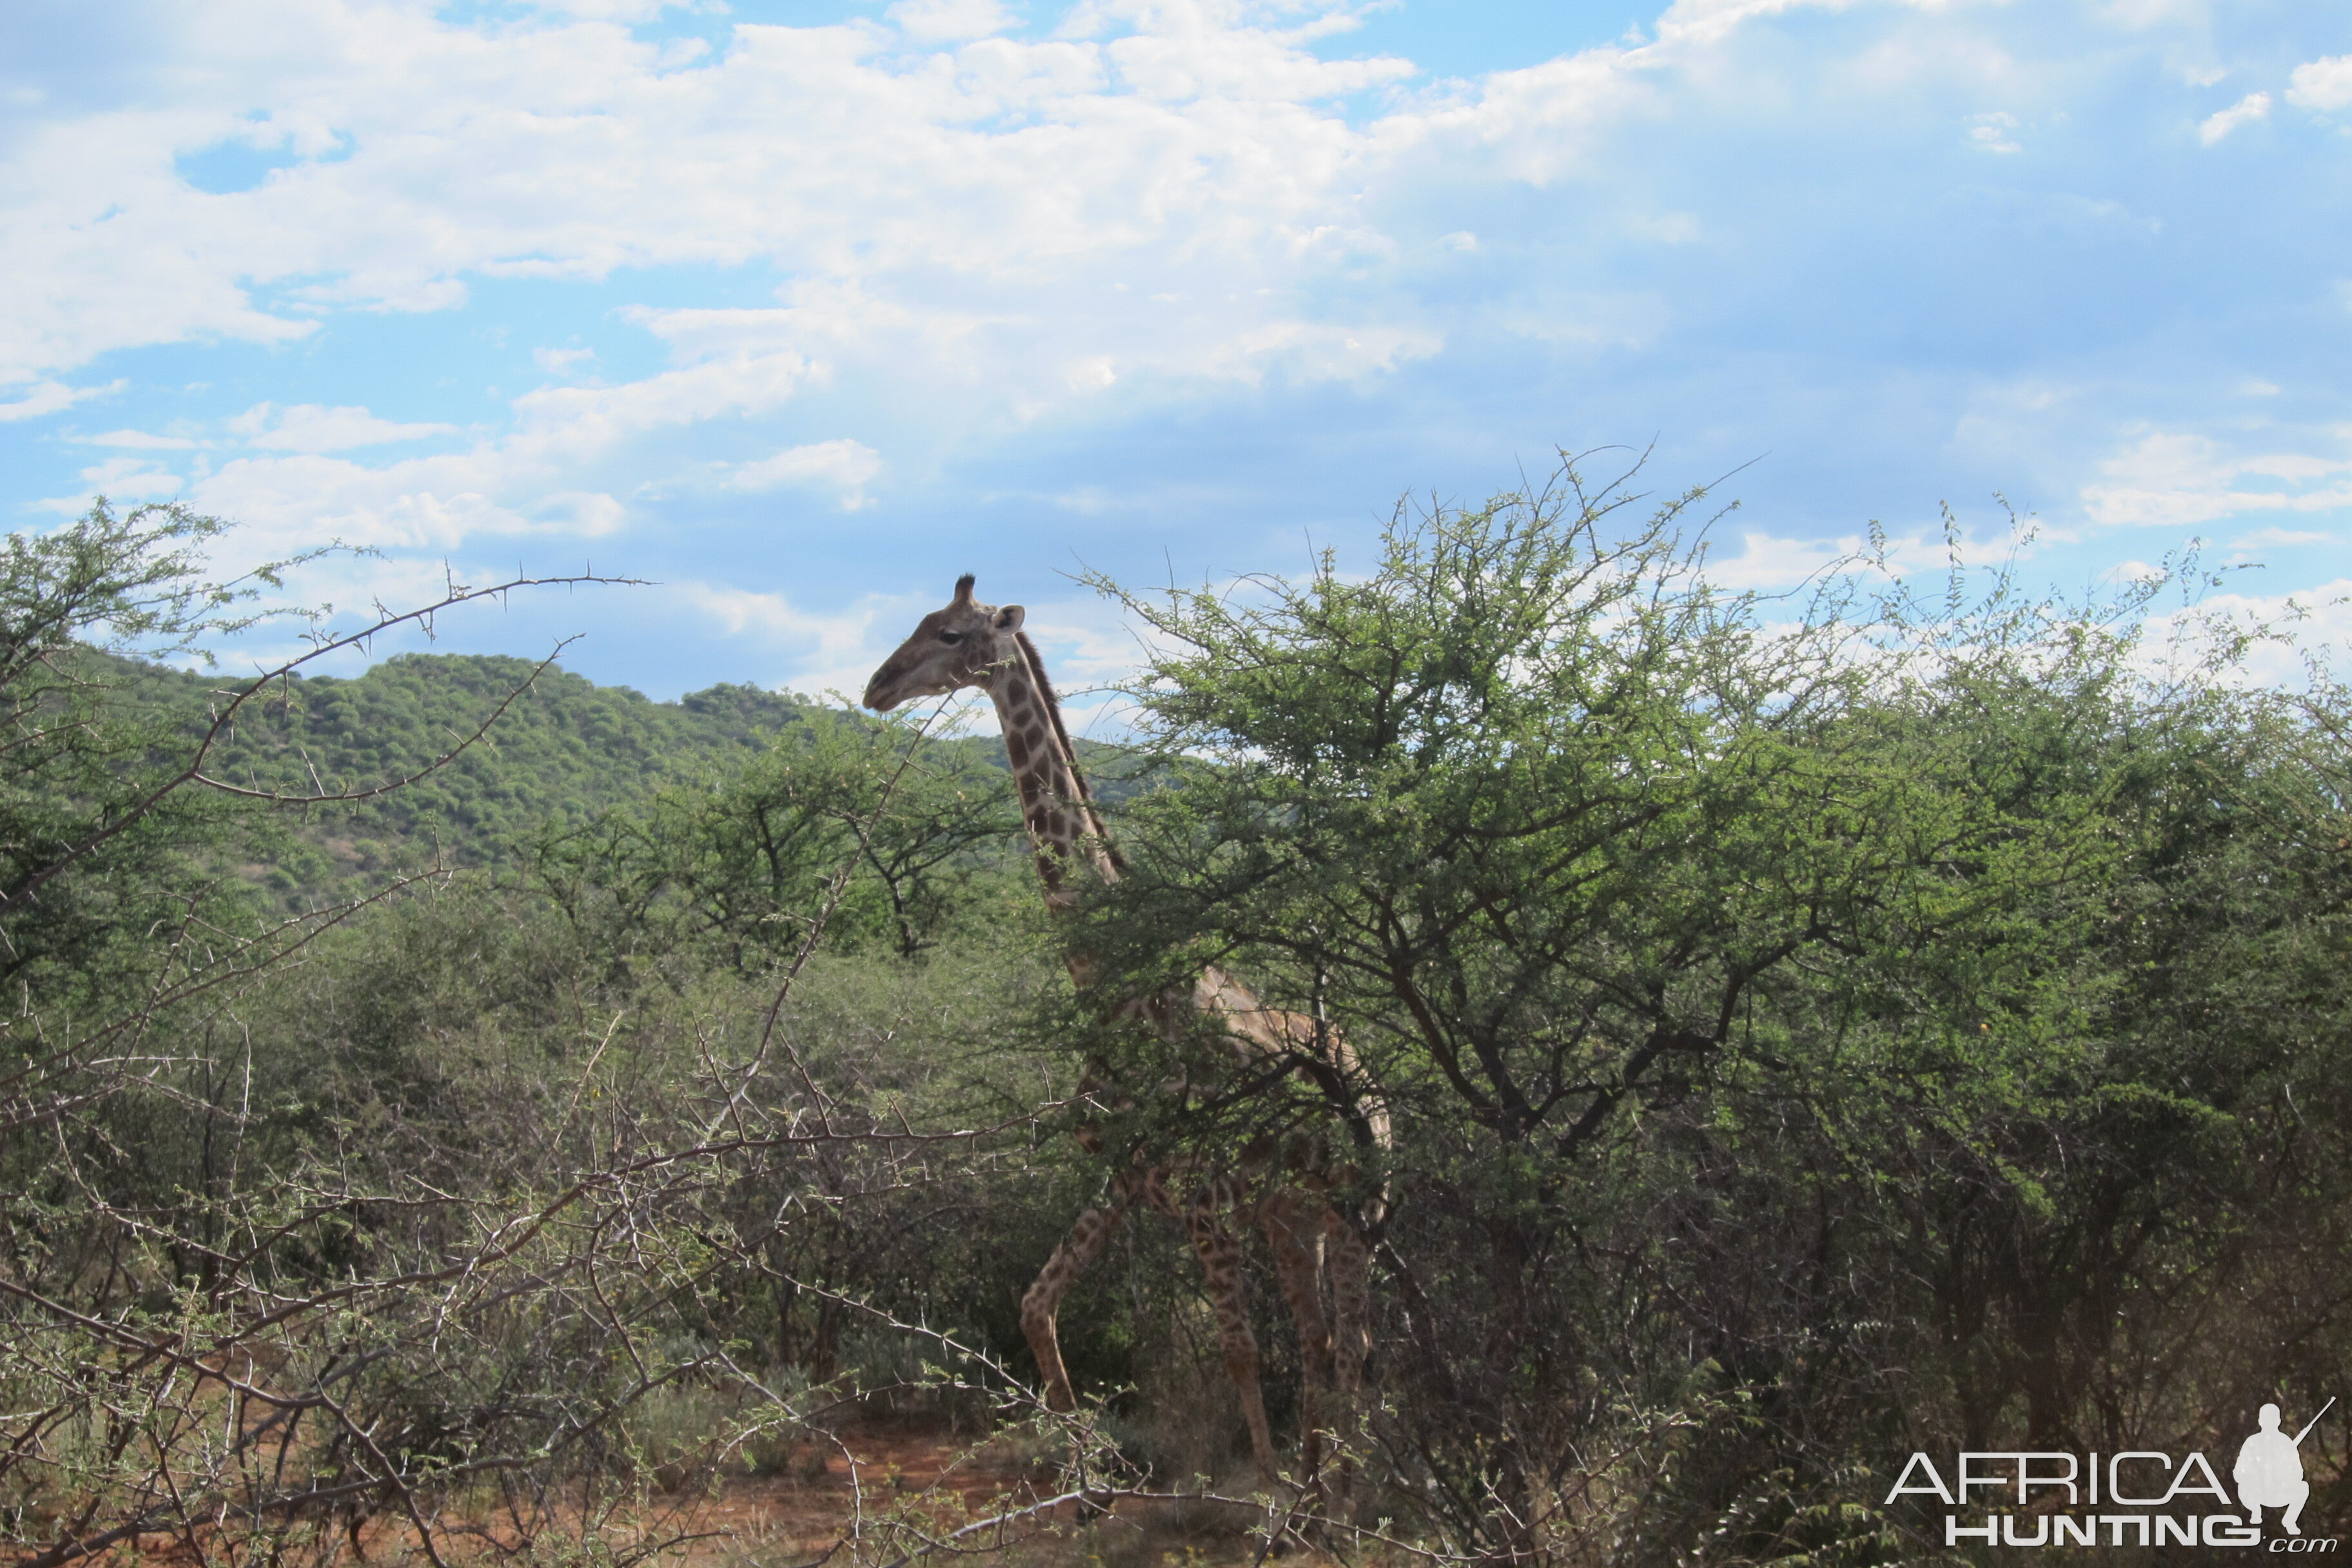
[460,1112]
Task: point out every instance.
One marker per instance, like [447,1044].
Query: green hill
[566,751]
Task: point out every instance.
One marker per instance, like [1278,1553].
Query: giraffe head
[964,645]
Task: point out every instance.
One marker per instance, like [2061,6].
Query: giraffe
[1283,1184]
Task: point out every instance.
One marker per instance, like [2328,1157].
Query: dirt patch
[875,1492]
[882,1476]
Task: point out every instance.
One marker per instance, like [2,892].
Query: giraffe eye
[950,637]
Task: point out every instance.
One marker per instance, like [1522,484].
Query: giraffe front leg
[1348,1260]
[1221,1261]
[1041,1307]
[1294,1228]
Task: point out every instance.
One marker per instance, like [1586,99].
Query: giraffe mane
[1069,752]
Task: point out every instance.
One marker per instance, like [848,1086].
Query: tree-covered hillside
[560,752]
[564,751]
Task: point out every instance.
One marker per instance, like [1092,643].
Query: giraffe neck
[1055,804]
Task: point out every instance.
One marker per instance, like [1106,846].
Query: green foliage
[100,854]
[730,868]
[1814,1031]
[1892,1008]
[562,751]
[406,1203]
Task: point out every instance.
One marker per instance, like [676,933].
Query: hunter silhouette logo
[2268,1471]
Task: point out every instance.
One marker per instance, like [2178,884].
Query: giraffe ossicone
[1285,1186]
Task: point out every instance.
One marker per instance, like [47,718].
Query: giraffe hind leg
[1041,1307]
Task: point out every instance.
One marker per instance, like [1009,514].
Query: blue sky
[800,308]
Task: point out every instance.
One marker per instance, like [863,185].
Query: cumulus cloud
[524,481]
[117,478]
[845,465]
[1993,132]
[2279,539]
[308,428]
[1014,204]
[2323,84]
[567,152]
[809,650]
[48,397]
[2284,627]
[2180,479]
[932,21]
[2253,107]
[1766,562]
[955,235]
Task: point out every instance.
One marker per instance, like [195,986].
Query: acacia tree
[1770,1058]
[730,866]
[1518,812]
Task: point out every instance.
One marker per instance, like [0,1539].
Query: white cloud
[608,10]
[2253,107]
[809,651]
[565,152]
[738,612]
[585,514]
[136,438]
[309,427]
[1766,562]
[2155,13]
[1670,229]
[527,482]
[559,423]
[120,477]
[846,465]
[117,478]
[2279,539]
[1990,132]
[1167,199]
[2316,620]
[2324,83]
[1318,351]
[47,397]
[1709,21]
[2176,478]
[1014,205]
[424,503]
[932,21]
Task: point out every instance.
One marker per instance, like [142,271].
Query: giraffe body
[1281,1186]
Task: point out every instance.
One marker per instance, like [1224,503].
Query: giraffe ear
[1008,620]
